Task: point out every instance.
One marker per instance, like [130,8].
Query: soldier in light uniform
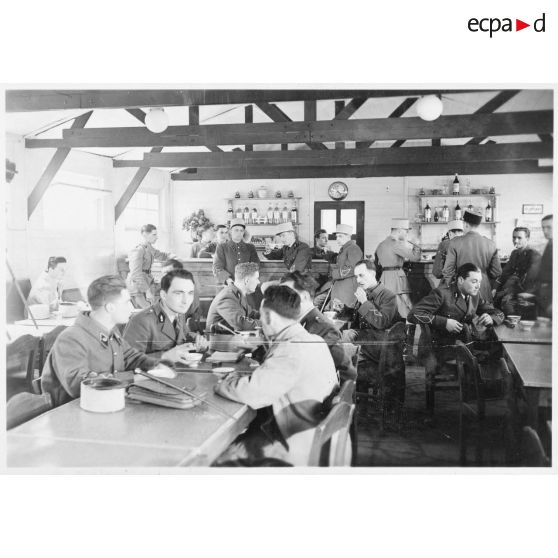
[163,326]
[296,255]
[140,282]
[476,249]
[455,228]
[390,256]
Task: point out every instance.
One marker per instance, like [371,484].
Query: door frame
[358,237]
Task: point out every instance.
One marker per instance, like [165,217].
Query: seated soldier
[313,321]
[163,326]
[93,346]
[288,389]
[229,311]
[450,312]
[519,274]
[375,312]
[47,289]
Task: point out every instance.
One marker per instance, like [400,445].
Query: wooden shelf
[445,223]
[271,224]
[450,196]
[262,199]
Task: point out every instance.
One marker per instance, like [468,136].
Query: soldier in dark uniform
[313,321]
[221,236]
[230,307]
[375,312]
[140,282]
[455,228]
[476,249]
[93,346]
[544,278]
[233,252]
[296,255]
[519,275]
[163,327]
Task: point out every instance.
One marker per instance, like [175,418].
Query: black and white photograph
[342,278]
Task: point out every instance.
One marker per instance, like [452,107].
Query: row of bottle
[444,215]
[273,216]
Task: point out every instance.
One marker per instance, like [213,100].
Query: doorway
[327,215]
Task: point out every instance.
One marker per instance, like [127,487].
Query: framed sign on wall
[532,209]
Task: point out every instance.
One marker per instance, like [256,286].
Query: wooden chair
[486,397]
[347,394]
[26,406]
[331,437]
[439,375]
[533,454]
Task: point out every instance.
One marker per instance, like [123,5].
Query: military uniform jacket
[444,303]
[343,273]
[151,330]
[297,257]
[297,375]
[476,249]
[228,255]
[141,259]
[316,323]
[545,271]
[523,264]
[379,312]
[440,259]
[231,308]
[81,349]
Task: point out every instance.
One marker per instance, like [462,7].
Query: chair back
[26,406]
[394,337]
[37,358]
[337,424]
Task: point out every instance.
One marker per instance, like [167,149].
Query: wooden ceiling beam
[362,171]
[277,115]
[249,119]
[339,106]
[52,168]
[350,108]
[496,124]
[376,156]
[24,100]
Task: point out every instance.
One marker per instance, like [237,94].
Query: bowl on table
[526,325]
[513,319]
[68,309]
[39,311]
[191,359]
[222,371]
[544,322]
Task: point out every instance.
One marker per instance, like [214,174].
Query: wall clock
[338,191]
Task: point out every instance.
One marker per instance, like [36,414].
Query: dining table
[537,335]
[141,435]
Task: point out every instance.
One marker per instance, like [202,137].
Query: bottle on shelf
[246,216]
[445,212]
[276,215]
[230,213]
[238,214]
[458,211]
[294,214]
[269,215]
[455,187]
[254,216]
[284,214]
[470,207]
[488,213]
[427,213]
[436,216]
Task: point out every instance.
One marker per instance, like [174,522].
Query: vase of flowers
[193,222]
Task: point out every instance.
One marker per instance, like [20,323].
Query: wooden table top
[141,435]
[532,362]
[536,335]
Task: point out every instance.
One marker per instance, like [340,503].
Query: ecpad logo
[492,25]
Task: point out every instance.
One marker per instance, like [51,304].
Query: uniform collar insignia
[104,339]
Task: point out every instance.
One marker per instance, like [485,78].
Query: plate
[222,370]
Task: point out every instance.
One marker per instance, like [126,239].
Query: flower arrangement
[194,221]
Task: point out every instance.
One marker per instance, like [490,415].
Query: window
[142,209]
[75,202]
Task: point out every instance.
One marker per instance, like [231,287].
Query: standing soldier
[476,249]
[140,282]
[390,255]
[296,255]
[455,228]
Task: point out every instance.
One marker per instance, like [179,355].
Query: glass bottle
[436,216]
[427,213]
[276,215]
[230,213]
[294,214]
[246,215]
[455,187]
[488,215]
[445,212]
[285,214]
[254,216]
[457,211]
[270,215]
[239,212]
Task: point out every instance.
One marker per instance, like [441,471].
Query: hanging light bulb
[429,107]
[157,120]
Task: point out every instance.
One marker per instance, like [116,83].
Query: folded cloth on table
[150,391]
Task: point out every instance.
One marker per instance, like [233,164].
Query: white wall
[89,254]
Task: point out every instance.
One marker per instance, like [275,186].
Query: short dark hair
[302,281]
[148,228]
[547,217]
[318,233]
[104,289]
[243,270]
[522,229]
[167,278]
[368,263]
[217,227]
[464,270]
[174,263]
[283,300]
[53,261]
